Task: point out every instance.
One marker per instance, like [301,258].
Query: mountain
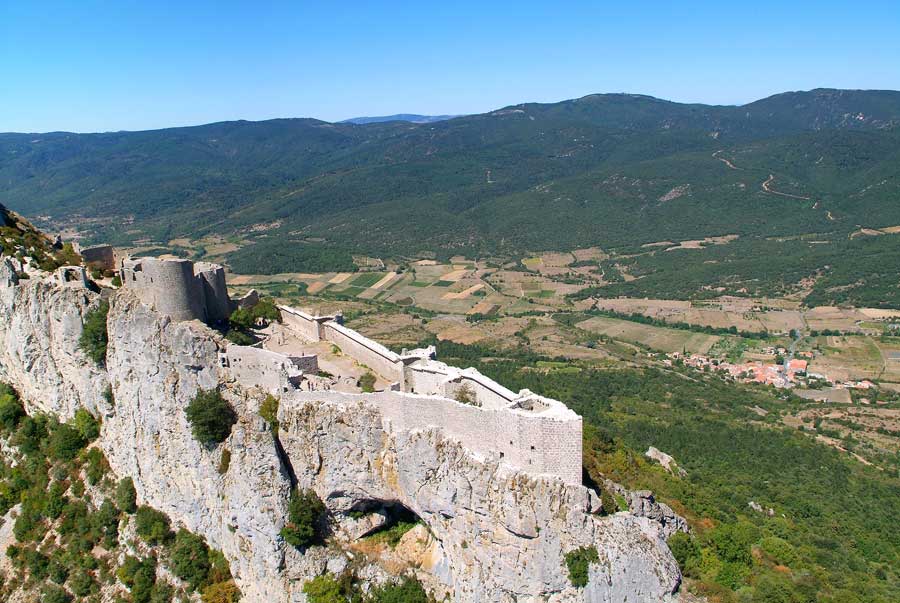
[612,170]
[410,117]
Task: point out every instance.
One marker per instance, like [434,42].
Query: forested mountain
[613,170]
[410,117]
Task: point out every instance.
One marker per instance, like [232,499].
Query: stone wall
[305,325]
[518,439]
[365,351]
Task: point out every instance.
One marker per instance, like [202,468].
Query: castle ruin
[315,358]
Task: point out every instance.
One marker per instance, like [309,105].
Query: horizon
[93,67]
[447,117]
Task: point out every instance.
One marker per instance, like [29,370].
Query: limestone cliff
[493,534]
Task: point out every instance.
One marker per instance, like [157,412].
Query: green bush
[578,561]
[54,594]
[152,525]
[324,589]
[367,382]
[190,559]
[221,592]
[65,442]
[11,409]
[305,513]
[96,465]
[210,416]
[56,500]
[85,423]
[106,523]
[686,552]
[94,338]
[268,410]
[126,496]
[139,576]
[409,590]
[82,583]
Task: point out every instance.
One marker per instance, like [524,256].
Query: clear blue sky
[94,66]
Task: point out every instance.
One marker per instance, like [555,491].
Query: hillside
[616,171]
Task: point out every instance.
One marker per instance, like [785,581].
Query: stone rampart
[546,441]
[365,351]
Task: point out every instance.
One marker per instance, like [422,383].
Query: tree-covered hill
[611,170]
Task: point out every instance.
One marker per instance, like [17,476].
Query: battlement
[179,288]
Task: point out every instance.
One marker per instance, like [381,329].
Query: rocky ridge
[492,534]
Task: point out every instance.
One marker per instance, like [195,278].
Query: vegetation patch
[211,417]
[578,562]
[94,338]
[306,513]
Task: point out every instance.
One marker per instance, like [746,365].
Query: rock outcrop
[493,534]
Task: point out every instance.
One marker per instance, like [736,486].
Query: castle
[413,390]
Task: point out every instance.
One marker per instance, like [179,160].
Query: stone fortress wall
[522,430]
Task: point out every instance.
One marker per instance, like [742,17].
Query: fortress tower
[179,288]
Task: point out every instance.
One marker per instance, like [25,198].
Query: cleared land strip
[726,161]
[766,186]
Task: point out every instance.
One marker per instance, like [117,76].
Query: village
[785,373]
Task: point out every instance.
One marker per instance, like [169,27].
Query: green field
[367,279]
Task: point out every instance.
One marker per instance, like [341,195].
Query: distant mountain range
[616,171]
[410,117]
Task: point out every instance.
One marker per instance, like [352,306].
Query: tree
[65,442]
[94,337]
[211,417]
[152,525]
[305,511]
[190,558]
[11,409]
[86,424]
[126,496]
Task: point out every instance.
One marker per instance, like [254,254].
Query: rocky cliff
[492,534]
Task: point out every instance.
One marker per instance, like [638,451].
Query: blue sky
[96,66]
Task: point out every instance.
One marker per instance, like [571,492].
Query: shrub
[139,576]
[81,583]
[409,590]
[608,503]
[224,461]
[96,465]
[11,409]
[106,522]
[210,416]
[190,559]
[85,423]
[152,525]
[56,500]
[54,594]
[162,592]
[466,395]
[126,496]
[94,338]
[268,410]
[578,561]
[324,589]
[367,382]
[685,550]
[65,442]
[221,592]
[304,514]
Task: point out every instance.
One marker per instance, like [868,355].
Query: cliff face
[495,534]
